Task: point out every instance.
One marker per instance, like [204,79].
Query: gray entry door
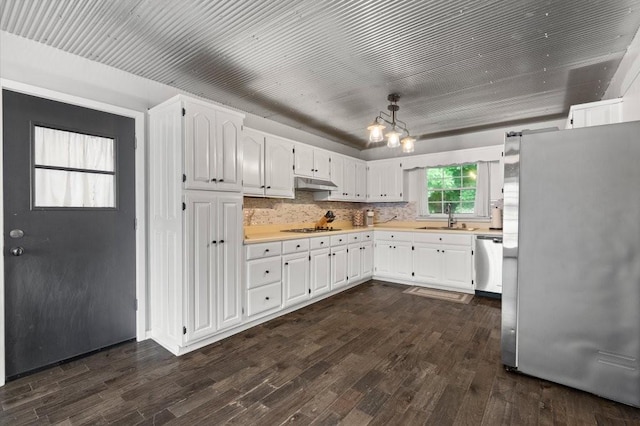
[69,238]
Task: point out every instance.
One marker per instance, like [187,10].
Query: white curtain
[481,208]
[68,188]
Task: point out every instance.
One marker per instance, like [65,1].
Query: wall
[304,210]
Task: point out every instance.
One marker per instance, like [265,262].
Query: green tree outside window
[452,184]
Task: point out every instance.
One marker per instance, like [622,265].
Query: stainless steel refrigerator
[571,260]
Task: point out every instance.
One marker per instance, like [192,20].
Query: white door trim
[141,197]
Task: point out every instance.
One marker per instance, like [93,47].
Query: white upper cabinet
[267,168]
[595,114]
[349,179]
[278,167]
[322,164]
[385,181]
[312,162]
[212,147]
[361,181]
[349,175]
[337,177]
[253,162]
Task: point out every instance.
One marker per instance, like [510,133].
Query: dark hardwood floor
[371,355]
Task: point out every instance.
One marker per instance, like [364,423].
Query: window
[451,184]
[73,169]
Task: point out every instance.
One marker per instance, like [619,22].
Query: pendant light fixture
[398,127]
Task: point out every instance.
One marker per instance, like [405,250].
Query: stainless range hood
[311,184]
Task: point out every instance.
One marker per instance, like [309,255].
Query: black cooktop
[310,230]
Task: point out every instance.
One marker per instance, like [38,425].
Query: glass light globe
[408,144]
[375,132]
[393,138]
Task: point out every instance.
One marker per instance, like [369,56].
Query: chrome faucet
[450,220]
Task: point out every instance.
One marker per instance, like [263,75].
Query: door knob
[17,251]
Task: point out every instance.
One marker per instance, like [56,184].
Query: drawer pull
[214,242]
[298,246]
[267,298]
[266,250]
[266,272]
[221,241]
[286,263]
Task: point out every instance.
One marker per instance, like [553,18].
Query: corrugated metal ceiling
[327,66]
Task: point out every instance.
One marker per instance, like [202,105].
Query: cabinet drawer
[338,240]
[256,251]
[453,239]
[355,238]
[394,236]
[264,298]
[319,242]
[263,271]
[367,236]
[295,246]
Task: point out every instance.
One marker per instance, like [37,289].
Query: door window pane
[73,169]
[62,188]
[60,148]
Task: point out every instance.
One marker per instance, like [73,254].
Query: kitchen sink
[440,228]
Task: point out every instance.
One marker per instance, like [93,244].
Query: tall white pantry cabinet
[195,220]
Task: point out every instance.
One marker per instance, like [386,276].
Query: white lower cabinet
[212,249]
[429,259]
[213,274]
[339,267]
[393,255]
[263,278]
[320,271]
[354,261]
[264,299]
[295,278]
[366,260]
[443,260]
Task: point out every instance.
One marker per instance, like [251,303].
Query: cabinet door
[304,161]
[361,181]
[349,179]
[322,164]
[392,181]
[337,177]
[201,266]
[366,262]
[427,263]
[278,168]
[383,258]
[228,152]
[402,260]
[253,163]
[456,267]
[200,146]
[354,264]
[338,266]
[320,274]
[229,243]
[295,278]
[375,174]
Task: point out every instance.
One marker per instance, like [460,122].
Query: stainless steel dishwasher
[488,263]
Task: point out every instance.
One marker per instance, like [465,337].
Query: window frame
[423,210]
[34,167]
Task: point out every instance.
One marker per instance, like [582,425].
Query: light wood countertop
[270,233]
